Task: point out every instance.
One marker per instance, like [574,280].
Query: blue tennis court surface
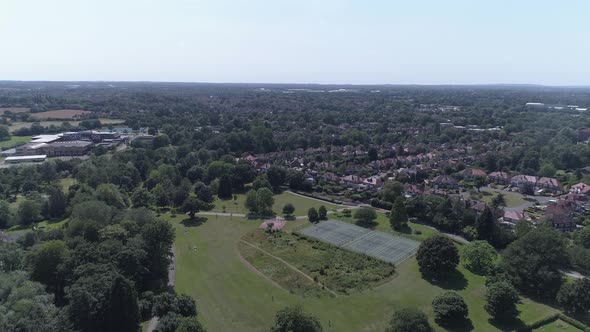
[384,246]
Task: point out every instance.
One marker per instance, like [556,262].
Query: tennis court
[381,245]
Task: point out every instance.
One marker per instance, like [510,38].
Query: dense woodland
[107,269]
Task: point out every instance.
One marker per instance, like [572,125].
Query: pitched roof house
[499,177]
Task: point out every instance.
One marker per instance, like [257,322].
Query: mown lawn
[232,296]
[43,225]
[558,326]
[302,204]
[414,231]
[14,141]
[512,199]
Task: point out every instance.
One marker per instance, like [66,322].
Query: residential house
[580,189]
[499,177]
[513,217]
[550,184]
[445,181]
[472,174]
[524,180]
[560,216]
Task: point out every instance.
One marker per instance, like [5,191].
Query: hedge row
[329,200]
[550,319]
[385,205]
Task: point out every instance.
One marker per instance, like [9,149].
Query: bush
[449,308]
[409,320]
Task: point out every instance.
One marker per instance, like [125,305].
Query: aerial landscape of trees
[87,242]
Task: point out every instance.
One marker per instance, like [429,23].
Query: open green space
[67,183]
[512,199]
[233,296]
[43,225]
[14,141]
[557,326]
[302,204]
[339,270]
[413,231]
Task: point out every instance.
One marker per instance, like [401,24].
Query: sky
[297,41]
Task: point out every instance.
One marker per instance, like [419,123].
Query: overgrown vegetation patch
[339,270]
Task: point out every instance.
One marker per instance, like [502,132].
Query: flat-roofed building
[24,159]
[68,148]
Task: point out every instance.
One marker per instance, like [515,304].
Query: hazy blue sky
[303,41]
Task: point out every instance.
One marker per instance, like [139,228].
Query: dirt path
[289,266]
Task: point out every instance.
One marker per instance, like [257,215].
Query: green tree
[4,133]
[110,194]
[391,191]
[449,308]
[479,257]
[486,225]
[159,237]
[260,182]
[409,320]
[57,203]
[264,201]
[534,260]
[29,211]
[276,176]
[437,256]
[225,187]
[365,216]
[322,213]
[313,215]
[11,256]
[5,214]
[123,312]
[498,201]
[582,237]
[523,227]
[191,206]
[294,319]
[288,209]
[250,202]
[44,263]
[501,300]
[102,300]
[25,306]
[574,297]
[398,217]
[141,198]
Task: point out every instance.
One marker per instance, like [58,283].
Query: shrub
[449,308]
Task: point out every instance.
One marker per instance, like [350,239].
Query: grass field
[302,204]
[46,225]
[60,114]
[512,199]
[17,125]
[382,224]
[558,326]
[14,141]
[233,296]
[67,183]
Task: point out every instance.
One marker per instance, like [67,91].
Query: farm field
[302,204]
[65,114]
[233,296]
[557,326]
[17,125]
[14,109]
[14,141]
